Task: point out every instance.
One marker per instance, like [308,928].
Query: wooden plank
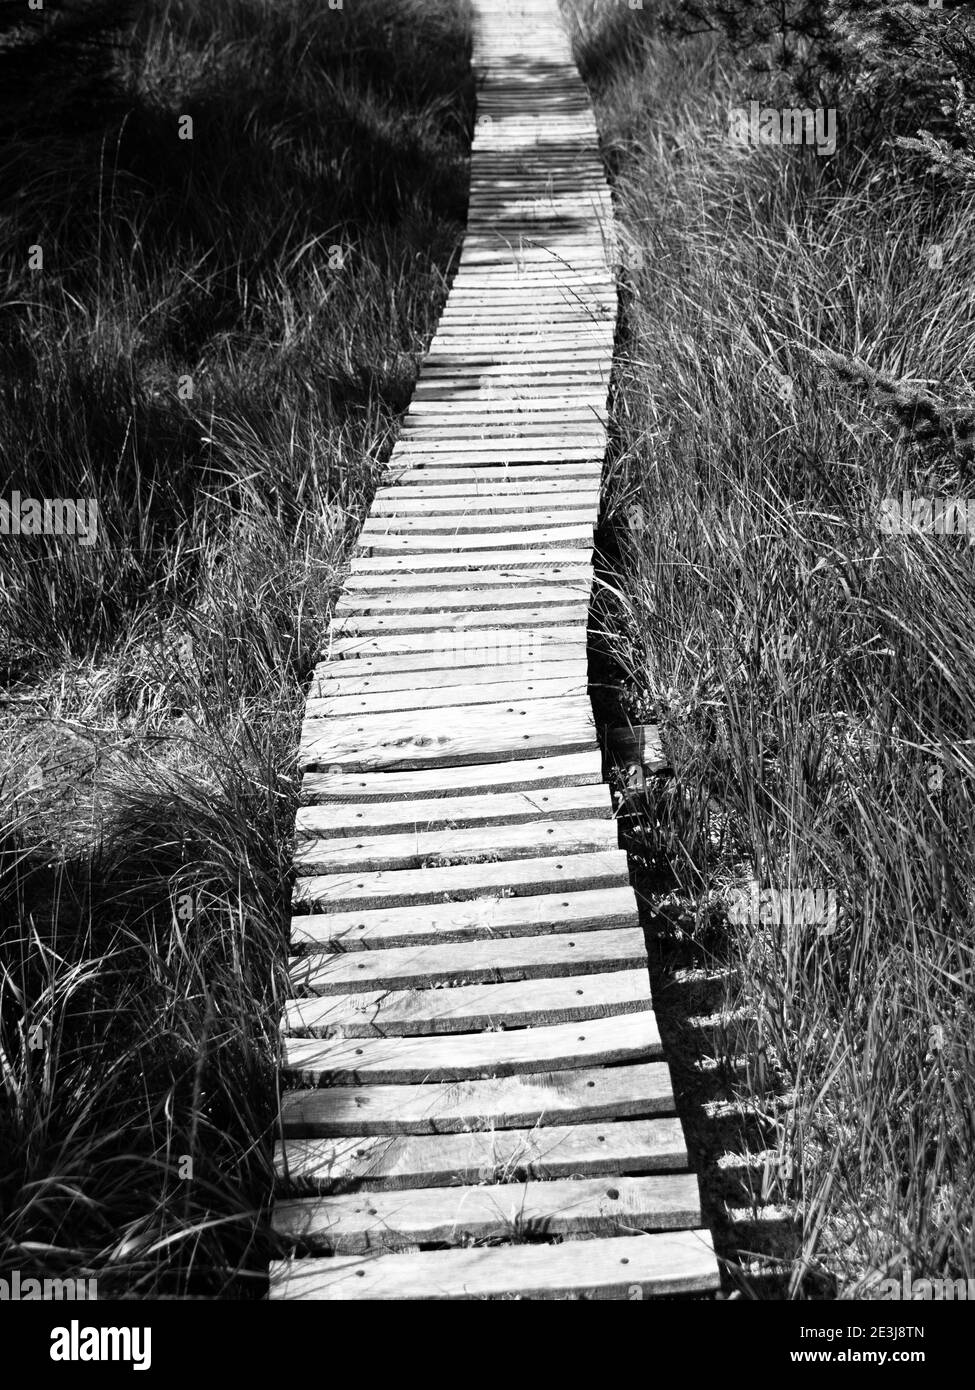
[580,444]
[433,813]
[470,297]
[484,436]
[486,918]
[465,1056]
[362,584]
[676,1262]
[484,384]
[510,414]
[473,962]
[506,643]
[491,480]
[505,285]
[432,688]
[413,849]
[398,1162]
[524,370]
[480,475]
[433,527]
[564,770]
[460,358]
[376,619]
[484,247]
[406,697]
[467,655]
[487,320]
[503,1102]
[567,537]
[462,352]
[553,277]
[462,1057]
[515,254]
[538,199]
[455,387]
[512,280]
[422,562]
[382,1220]
[452,514]
[397,596]
[469,1008]
[501,309]
[504,652]
[563,207]
[472,619]
[511,403]
[521,370]
[554,272]
[482,734]
[399,501]
[411,887]
[481,336]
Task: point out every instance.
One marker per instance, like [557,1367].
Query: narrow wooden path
[479,1102]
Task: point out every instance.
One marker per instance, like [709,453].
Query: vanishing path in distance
[471,1046]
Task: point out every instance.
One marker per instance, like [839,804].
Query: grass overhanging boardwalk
[475,1102]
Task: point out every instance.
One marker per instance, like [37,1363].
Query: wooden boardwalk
[479,1106]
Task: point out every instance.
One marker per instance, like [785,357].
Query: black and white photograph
[487,674]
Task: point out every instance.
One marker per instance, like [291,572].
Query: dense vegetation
[226,233]
[798,345]
[213,345]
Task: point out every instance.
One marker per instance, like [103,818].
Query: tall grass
[791,353]
[215,351]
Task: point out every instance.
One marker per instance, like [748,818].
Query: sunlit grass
[790,355]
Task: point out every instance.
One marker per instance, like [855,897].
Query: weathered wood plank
[494,652]
[469,1008]
[471,962]
[476,479]
[362,585]
[411,887]
[434,813]
[483,385]
[424,502]
[482,734]
[414,849]
[454,516]
[564,770]
[460,362]
[382,1220]
[610,1268]
[472,618]
[505,1102]
[403,697]
[486,918]
[373,539]
[424,561]
[401,598]
[465,1056]
[398,1162]
[505,643]
[474,685]
[509,411]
